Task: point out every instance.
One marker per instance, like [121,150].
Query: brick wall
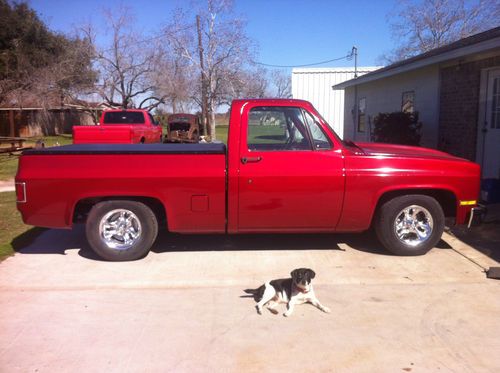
[459,106]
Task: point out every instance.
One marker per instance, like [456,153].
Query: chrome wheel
[413,225]
[120,229]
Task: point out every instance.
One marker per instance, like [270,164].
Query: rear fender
[81,208]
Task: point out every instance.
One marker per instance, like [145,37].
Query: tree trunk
[174,106]
[212,123]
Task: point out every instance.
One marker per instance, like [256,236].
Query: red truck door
[154,130]
[290,172]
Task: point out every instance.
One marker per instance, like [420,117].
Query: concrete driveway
[181,309]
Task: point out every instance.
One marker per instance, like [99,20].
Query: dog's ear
[312,273]
[294,273]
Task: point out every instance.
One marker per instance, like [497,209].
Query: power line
[347,57]
[306,65]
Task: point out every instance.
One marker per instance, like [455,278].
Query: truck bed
[188,179]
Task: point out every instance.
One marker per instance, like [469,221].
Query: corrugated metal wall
[315,86]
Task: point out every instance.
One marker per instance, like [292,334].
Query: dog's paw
[259,310]
[286,314]
[326,310]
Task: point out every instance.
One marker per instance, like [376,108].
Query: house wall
[459,108]
[385,95]
[315,85]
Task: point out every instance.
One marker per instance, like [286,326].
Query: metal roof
[482,42]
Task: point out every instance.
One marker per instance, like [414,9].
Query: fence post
[12,124]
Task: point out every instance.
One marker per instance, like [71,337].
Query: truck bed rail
[92,149]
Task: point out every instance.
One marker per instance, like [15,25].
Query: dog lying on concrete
[292,291]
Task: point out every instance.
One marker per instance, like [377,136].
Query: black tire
[137,220]
[399,241]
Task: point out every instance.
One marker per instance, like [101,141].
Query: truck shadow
[484,238]
[53,241]
[366,242]
[56,241]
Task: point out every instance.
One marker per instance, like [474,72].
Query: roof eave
[484,46]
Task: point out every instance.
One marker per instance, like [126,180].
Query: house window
[362,115]
[408,102]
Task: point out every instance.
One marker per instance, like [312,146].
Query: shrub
[397,128]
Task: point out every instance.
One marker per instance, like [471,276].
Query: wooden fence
[42,122]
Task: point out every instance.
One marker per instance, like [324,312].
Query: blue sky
[287,32]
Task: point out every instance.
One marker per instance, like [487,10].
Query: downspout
[485,122]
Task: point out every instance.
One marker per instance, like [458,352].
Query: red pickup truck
[118,127]
[284,171]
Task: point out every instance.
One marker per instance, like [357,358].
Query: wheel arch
[445,197]
[84,205]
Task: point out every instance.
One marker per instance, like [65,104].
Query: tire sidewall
[388,214]
[140,248]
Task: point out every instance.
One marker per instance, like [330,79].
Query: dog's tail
[257,293]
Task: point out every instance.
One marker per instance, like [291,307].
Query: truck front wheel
[410,225]
[121,230]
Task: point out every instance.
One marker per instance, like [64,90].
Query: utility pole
[204,100]
[354,52]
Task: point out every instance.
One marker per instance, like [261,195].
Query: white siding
[315,86]
[385,95]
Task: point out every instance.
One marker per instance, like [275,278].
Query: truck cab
[120,127]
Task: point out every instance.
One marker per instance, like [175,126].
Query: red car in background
[120,127]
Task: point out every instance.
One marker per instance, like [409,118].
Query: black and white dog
[295,290]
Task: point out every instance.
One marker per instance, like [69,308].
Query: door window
[277,128]
[152,119]
[318,137]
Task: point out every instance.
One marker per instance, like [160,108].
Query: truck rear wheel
[121,230]
[410,225]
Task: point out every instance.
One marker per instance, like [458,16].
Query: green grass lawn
[221,133]
[13,232]
[8,163]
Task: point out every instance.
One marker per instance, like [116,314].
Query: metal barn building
[315,86]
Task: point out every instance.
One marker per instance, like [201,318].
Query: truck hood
[390,150]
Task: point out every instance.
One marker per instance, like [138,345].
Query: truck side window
[318,137]
[277,128]
[152,119]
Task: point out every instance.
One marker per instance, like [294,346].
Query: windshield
[123,117]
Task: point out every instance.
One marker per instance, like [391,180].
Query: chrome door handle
[246,160]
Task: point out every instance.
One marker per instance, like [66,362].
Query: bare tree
[127,65]
[282,83]
[175,82]
[220,54]
[244,83]
[422,25]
